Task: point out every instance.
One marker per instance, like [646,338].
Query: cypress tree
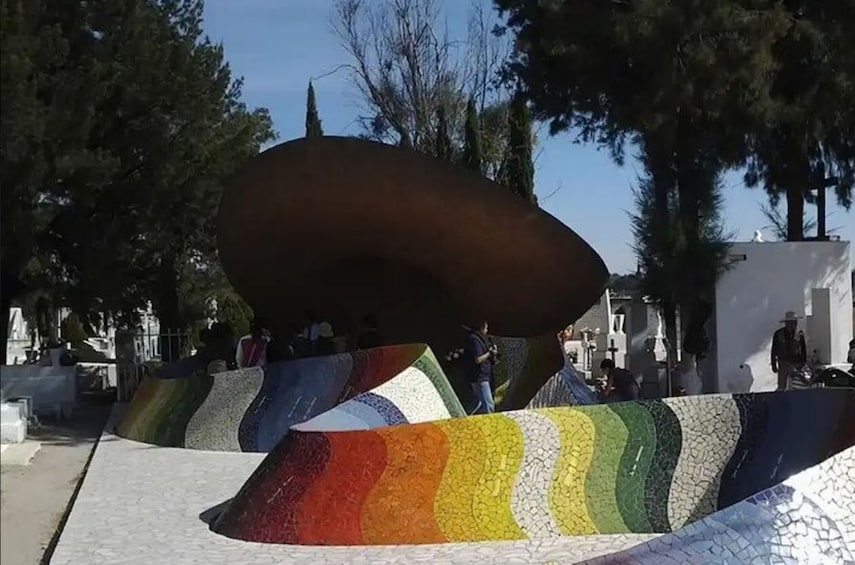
[472,141]
[313,122]
[519,165]
[443,142]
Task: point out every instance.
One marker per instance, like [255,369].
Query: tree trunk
[795,213]
[167,308]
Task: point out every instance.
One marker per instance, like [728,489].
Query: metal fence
[139,354]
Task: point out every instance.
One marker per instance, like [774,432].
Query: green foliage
[629,283]
[683,81]
[313,122]
[761,83]
[678,263]
[811,133]
[472,157]
[519,165]
[71,329]
[121,122]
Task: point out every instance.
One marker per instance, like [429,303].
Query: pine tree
[443,142]
[313,122]
[519,165]
[472,141]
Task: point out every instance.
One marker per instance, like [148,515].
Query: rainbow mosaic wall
[526,364]
[806,519]
[641,467]
[252,409]
[565,388]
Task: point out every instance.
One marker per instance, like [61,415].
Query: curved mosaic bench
[806,519]
[642,467]
[252,409]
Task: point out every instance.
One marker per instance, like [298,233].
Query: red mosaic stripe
[330,511]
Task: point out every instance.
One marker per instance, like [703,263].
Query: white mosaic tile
[530,496]
[214,425]
[413,393]
[710,429]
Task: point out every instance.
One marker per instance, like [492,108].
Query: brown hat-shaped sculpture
[347,227]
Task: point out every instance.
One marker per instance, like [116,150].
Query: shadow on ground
[210,515]
[84,426]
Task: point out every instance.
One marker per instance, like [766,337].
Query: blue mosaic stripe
[384,407]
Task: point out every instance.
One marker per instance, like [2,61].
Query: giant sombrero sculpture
[371,448]
[348,227]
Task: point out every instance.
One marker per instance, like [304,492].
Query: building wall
[752,297]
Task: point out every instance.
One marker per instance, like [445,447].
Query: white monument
[765,280]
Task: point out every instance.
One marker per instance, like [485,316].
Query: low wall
[252,409]
[767,280]
[633,467]
[52,388]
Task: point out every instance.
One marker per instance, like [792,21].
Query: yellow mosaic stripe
[152,418]
[492,502]
[473,501]
[131,425]
[609,444]
[454,508]
[177,397]
[567,493]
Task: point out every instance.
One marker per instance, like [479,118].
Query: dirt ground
[34,499]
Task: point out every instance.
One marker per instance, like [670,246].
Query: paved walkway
[143,504]
[34,498]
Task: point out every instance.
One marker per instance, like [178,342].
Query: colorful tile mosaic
[566,388]
[805,519]
[637,467]
[252,409]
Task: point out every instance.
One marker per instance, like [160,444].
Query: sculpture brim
[349,227]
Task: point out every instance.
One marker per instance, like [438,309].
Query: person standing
[616,384]
[788,350]
[479,354]
[252,348]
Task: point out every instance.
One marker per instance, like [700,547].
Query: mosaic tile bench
[637,467]
[252,409]
[374,448]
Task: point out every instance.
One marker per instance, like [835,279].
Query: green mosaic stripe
[669,442]
[195,393]
[179,388]
[635,464]
[610,439]
[428,364]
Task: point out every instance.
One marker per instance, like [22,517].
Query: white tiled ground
[141,504]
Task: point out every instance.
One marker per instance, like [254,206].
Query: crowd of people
[479,357]
[222,351]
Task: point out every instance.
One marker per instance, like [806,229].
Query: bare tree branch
[405,64]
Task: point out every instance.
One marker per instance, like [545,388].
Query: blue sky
[278,45]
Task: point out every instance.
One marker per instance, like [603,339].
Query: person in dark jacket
[616,384]
[789,352]
[479,354]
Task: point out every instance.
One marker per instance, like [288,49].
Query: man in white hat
[788,350]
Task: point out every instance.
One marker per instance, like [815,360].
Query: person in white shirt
[252,348]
